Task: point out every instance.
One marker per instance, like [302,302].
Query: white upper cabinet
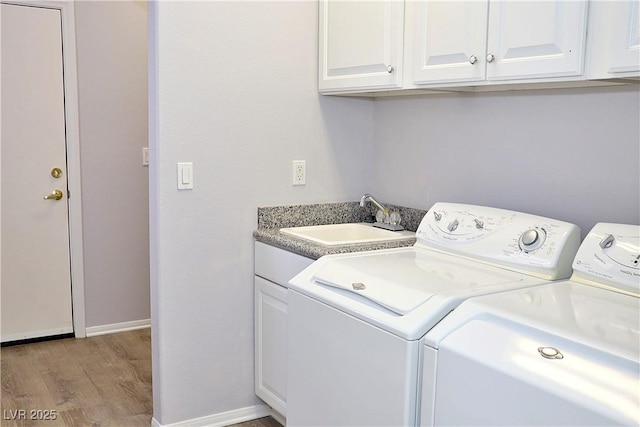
[614,39]
[371,46]
[450,39]
[625,37]
[360,45]
[536,39]
[471,41]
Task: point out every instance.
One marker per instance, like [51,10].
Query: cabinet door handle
[473,59]
[490,57]
[390,69]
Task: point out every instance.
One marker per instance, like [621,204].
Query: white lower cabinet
[274,268]
[271,344]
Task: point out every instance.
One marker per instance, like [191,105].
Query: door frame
[72,130]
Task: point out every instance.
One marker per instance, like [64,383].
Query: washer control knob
[453,225]
[532,239]
[607,242]
[529,237]
[479,224]
[437,216]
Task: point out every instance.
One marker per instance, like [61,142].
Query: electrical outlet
[299,172]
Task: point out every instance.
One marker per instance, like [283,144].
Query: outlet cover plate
[299,172]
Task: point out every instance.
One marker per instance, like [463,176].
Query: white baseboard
[222,419]
[118,327]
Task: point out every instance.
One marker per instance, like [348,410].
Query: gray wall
[234,90]
[568,154]
[112,84]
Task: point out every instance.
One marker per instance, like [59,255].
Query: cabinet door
[271,344]
[535,39]
[360,45]
[625,37]
[450,39]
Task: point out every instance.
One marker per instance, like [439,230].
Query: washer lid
[404,280]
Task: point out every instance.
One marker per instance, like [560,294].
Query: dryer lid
[404,280]
[587,315]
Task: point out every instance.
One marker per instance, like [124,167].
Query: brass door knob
[55,195]
[56,172]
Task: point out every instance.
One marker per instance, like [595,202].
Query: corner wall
[112,89]
[235,92]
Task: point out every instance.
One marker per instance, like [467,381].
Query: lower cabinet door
[271,344]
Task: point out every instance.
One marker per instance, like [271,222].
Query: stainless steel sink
[344,234]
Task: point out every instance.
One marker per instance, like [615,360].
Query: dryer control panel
[531,244]
[610,257]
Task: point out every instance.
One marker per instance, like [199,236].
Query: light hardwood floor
[97,381]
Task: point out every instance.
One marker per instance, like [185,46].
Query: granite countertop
[272,219]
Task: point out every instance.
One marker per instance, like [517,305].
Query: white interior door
[35,278]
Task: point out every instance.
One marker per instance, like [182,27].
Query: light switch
[145,156]
[185,176]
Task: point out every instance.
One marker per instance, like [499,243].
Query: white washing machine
[566,353]
[356,321]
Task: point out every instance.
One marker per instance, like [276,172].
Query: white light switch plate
[185,176]
[145,156]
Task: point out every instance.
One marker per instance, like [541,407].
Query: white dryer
[566,353]
[356,321]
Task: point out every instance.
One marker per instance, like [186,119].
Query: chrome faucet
[369,197]
[384,218]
